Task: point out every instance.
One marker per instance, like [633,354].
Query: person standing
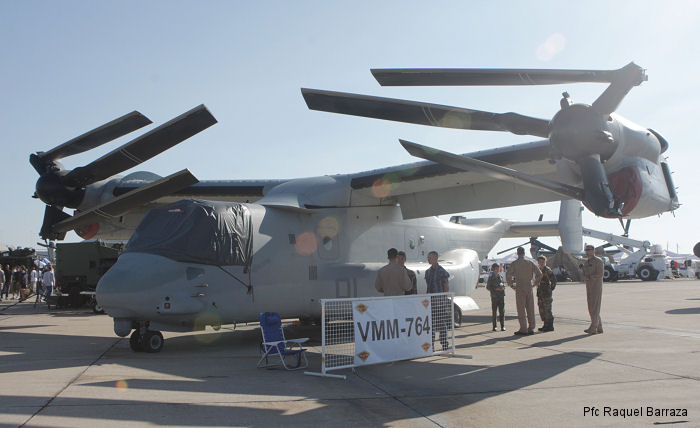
[33,278]
[497,289]
[593,275]
[392,279]
[2,281]
[401,258]
[49,282]
[8,282]
[544,294]
[525,274]
[437,281]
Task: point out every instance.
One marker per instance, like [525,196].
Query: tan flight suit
[525,273]
[593,275]
[392,280]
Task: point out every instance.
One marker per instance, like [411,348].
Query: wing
[215,190]
[427,188]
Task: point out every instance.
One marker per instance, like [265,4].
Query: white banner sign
[392,329]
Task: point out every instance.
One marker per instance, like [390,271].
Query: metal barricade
[338,347]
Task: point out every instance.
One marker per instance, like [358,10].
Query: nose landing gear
[148,341]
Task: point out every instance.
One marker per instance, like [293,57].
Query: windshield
[195,231]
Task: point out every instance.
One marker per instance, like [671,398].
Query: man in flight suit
[593,275]
[526,274]
[392,279]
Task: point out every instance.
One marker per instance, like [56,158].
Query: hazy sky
[69,66]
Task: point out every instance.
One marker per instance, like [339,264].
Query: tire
[135,341]
[457,316]
[609,274]
[153,341]
[97,308]
[647,273]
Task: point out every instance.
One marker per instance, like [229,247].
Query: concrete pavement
[66,368]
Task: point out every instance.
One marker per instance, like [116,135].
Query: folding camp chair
[274,344]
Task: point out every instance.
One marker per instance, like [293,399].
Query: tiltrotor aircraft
[281,245]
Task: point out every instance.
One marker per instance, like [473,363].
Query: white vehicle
[645,264]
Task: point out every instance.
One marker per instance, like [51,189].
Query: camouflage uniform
[544,298]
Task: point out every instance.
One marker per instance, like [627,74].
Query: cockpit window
[195,231]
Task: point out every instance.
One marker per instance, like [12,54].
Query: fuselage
[298,258]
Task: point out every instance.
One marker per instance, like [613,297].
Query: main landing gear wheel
[153,341]
[136,341]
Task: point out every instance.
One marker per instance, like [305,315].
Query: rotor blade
[142,148]
[491,170]
[52,215]
[421,113]
[98,136]
[486,76]
[128,201]
[624,80]
[512,248]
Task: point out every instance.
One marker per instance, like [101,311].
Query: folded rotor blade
[137,197]
[625,79]
[142,148]
[52,216]
[423,113]
[486,76]
[491,170]
[98,136]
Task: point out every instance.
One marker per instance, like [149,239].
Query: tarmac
[66,368]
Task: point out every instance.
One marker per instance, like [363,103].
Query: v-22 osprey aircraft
[281,245]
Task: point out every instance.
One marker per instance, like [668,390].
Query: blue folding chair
[275,345]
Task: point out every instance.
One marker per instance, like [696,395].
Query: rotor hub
[52,192]
[578,131]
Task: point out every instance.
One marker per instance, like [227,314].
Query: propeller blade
[512,248]
[597,194]
[121,204]
[142,148]
[421,113]
[52,215]
[98,136]
[623,81]
[491,170]
[486,76]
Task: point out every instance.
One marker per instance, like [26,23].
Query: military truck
[80,265]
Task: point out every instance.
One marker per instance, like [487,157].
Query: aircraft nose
[125,290]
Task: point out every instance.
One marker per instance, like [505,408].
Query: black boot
[549,326]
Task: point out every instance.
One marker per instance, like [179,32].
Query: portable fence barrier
[370,330]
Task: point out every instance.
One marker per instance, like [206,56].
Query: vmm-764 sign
[392,329]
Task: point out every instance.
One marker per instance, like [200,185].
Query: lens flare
[383,187]
[306,243]
[121,385]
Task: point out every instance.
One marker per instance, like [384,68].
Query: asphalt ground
[66,368]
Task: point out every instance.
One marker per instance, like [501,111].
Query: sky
[70,66]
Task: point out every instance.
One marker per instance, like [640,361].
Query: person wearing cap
[526,275]
[593,275]
[392,279]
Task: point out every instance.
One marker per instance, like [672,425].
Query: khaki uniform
[392,280]
[525,273]
[593,275]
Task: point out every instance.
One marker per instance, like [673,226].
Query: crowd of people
[22,281]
